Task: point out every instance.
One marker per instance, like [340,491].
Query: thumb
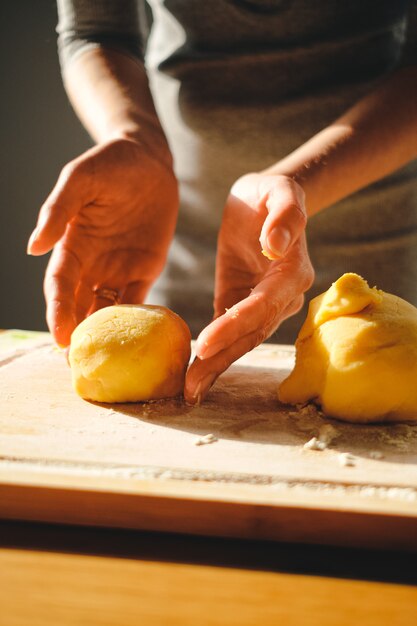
[286,218]
[63,203]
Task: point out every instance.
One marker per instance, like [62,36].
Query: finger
[284,281]
[60,285]
[84,299]
[240,320]
[104,296]
[286,218]
[227,298]
[135,293]
[63,203]
[256,314]
[233,282]
[203,373]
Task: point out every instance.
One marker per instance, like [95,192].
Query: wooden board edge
[205,485]
[197,513]
[286,493]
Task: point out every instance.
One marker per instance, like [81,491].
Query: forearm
[374,138]
[110,94]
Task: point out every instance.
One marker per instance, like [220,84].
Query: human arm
[375,137]
[112,213]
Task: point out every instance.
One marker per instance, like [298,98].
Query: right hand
[110,219]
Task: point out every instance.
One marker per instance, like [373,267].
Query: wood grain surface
[138,465]
[46,589]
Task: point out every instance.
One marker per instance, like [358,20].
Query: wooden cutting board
[147,465]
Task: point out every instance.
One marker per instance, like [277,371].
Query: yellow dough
[130,353]
[356,355]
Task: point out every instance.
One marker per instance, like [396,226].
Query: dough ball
[356,355]
[130,353]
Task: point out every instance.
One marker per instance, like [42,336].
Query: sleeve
[84,24]
[409,55]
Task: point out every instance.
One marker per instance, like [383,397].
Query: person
[284,112]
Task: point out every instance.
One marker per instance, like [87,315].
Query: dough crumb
[205,439]
[327,433]
[346,460]
[234,312]
[315,444]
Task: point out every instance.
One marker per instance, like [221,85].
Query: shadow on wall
[40,133]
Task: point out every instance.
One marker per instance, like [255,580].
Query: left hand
[110,219]
[253,293]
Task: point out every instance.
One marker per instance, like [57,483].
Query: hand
[253,293]
[111,218]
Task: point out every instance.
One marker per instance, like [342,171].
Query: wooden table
[62,575]
[58,575]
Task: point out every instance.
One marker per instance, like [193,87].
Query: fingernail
[202,388]
[268,256]
[32,239]
[279,240]
[196,396]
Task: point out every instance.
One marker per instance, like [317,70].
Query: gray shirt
[238,84]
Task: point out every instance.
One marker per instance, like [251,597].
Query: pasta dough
[130,353]
[356,355]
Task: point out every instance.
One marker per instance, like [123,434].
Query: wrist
[319,166]
[285,176]
[297,174]
[149,136]
[306,177]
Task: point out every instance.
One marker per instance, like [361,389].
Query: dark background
[39,134]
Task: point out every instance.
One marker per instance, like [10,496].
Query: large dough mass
[130,353]
[356,355]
